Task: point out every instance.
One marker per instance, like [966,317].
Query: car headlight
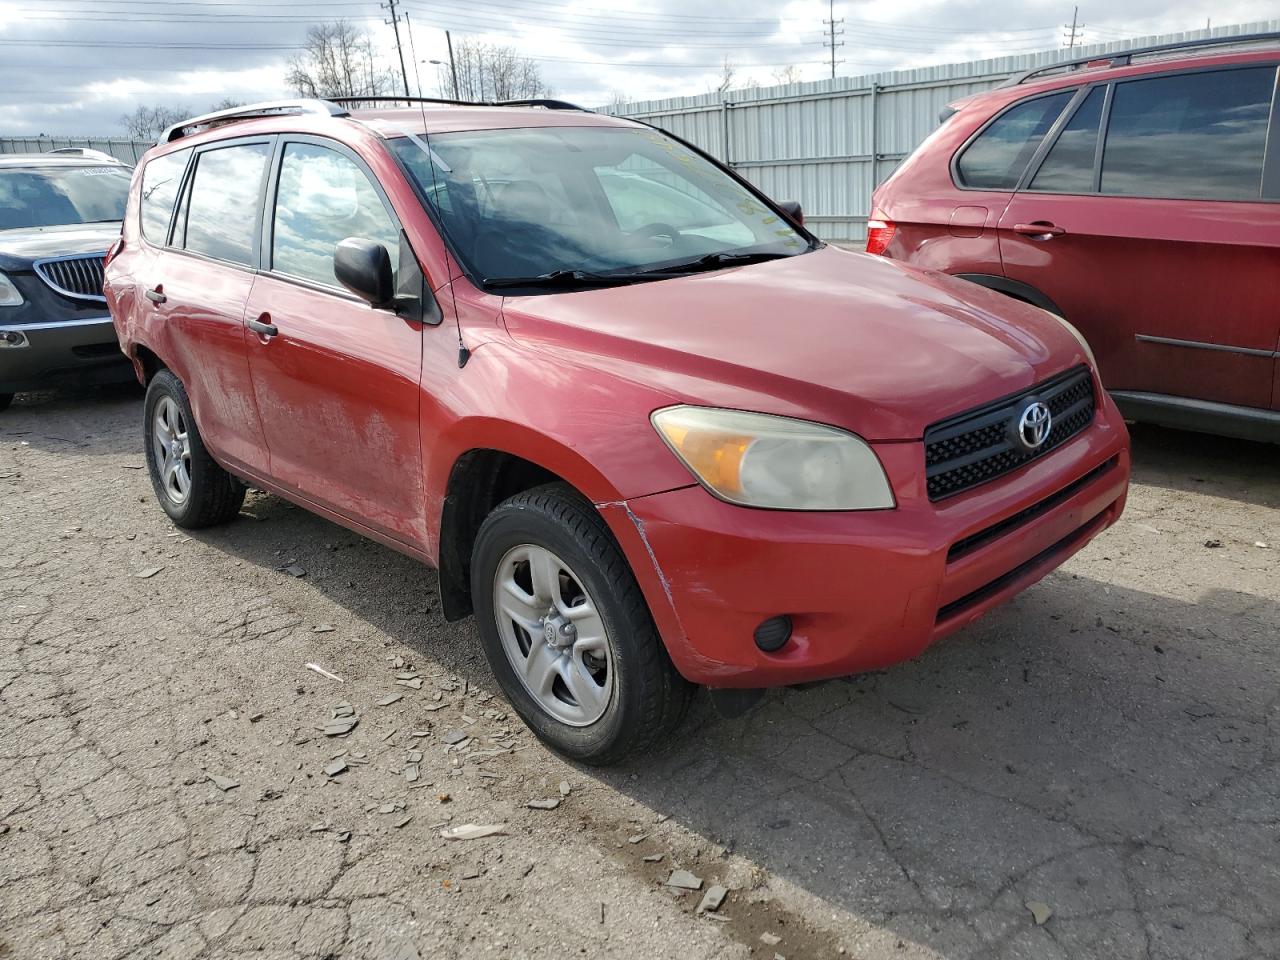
[758,460]
[9,295]
[1071,329]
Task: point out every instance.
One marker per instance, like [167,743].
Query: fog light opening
[772,634]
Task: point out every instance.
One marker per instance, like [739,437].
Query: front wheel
[567,631]
[193,490]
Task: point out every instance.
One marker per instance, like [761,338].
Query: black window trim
[958,181]
[1269,189]
[267,223]
[184,193]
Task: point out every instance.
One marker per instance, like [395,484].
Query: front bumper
[863,590]
[83,350]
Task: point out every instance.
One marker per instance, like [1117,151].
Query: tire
[5,400]
[646,697]
[209,496]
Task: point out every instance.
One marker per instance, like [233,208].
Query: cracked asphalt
[1107,746]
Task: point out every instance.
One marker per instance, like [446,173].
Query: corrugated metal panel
[829,143]
[130,151]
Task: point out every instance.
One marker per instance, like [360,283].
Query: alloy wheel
[171,443]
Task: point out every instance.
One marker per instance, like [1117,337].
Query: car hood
[876,346]
[21,246]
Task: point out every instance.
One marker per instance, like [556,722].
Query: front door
[1162,246]
[337,381]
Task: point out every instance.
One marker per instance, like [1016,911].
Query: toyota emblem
[1032,427]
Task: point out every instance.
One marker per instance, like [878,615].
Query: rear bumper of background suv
[82,350]
[863,590]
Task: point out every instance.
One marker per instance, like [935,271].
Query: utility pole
[832,33]
[1076,29]
[390,6]
[453,66]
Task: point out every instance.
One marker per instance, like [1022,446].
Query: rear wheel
[193,490]
[567,631]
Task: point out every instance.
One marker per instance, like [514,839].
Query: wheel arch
[1012,288]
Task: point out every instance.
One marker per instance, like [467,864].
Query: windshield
[540,201]
[53,196]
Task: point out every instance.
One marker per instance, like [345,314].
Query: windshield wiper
[568,278]
[714,261]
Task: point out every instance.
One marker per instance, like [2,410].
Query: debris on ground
[548,804]
[454,737]
[323,672]
[474,831]
[342,720]
[323,628]
[1213,544]
[713,898]
[389,699]
[148,573]
[564,788]
[653,858]
[223,783]
[335,767]
[295,570]
[771,939]
[1040,912]
[684,880]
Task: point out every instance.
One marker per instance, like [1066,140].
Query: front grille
[978,446]
[79,277]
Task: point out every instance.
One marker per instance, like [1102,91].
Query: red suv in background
[1139,197]
[648,428]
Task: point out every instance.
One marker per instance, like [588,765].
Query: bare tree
[226,103]
[337,61]
[788,74]
[728,71]
[488,71]
[148,122]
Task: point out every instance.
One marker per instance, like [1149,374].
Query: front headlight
[9,295]
[758,460]
[1071,329]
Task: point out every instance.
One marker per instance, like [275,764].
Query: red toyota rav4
[1139,197]
[649,430]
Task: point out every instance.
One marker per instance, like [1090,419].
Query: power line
[1076,29]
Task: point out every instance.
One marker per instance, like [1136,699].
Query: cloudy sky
[75,66]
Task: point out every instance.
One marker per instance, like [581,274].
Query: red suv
[1139,197]
[649,430]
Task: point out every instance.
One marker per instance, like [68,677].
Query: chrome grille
[79,277]
[968,450]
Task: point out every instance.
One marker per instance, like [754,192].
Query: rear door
[198,286]
[337,380]
[1145,220]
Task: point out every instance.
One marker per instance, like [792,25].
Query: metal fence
[122,148]
[829,143]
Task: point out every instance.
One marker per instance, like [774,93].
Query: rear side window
[222,208]
[1193,136]
[160,181]
[323,199]
[1069,166]
[1000,154]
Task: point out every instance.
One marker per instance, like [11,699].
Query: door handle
[156,296]
[1039,229]
[263,329]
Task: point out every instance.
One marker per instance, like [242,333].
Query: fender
[1012,288]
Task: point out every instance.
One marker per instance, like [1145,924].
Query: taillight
[113,250]
[880,235]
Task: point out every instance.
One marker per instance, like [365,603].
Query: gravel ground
[1106,748]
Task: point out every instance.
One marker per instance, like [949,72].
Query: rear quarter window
[161,179]
[997,158]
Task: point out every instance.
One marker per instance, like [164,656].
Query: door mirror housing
[792,209]
[364,268]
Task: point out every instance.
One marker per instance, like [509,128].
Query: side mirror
[364,268]
[792,209]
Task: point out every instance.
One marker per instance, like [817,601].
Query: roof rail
[534,102]
[86,152]
[1122,58]
[252,111]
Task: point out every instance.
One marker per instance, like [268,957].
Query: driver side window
[324,198]
[642,192]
